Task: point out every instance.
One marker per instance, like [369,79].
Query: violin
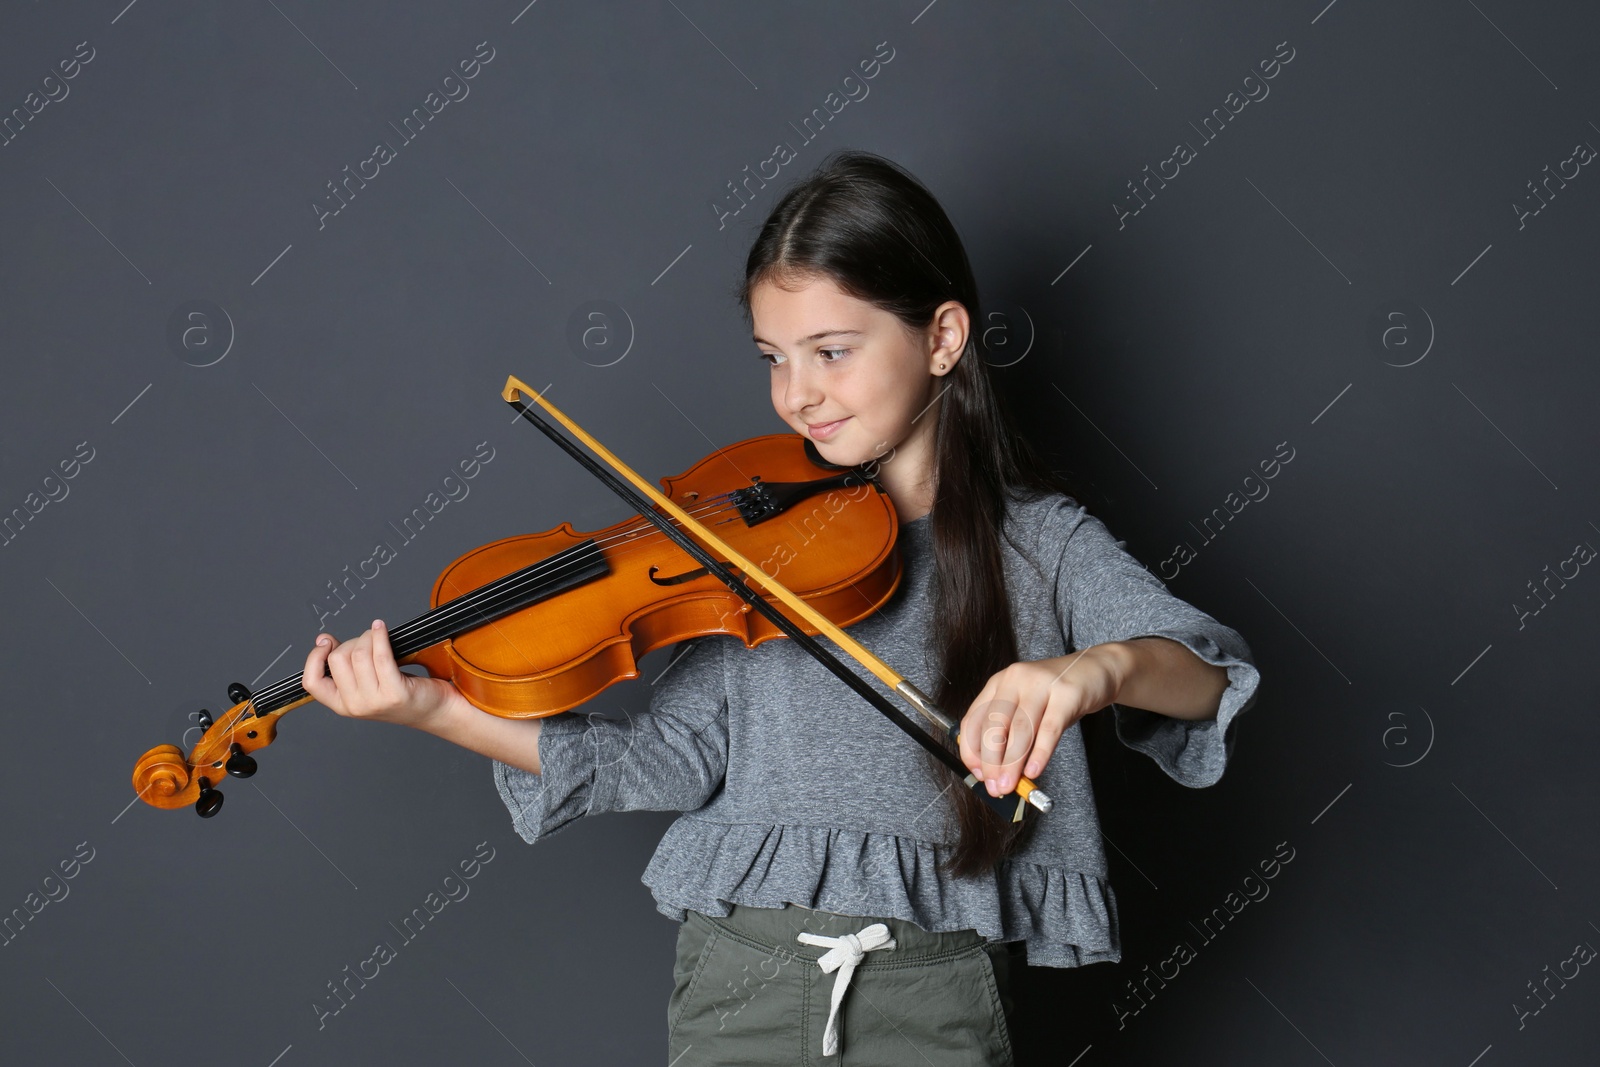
[535,624]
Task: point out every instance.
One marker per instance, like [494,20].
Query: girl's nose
[801,391]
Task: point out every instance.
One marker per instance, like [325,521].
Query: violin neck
[573,566]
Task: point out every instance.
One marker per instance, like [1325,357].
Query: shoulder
[1042,524]
[1066,545]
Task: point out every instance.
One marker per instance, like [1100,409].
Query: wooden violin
[533,625]
[536,624]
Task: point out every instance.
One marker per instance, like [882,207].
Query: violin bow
[1026,791]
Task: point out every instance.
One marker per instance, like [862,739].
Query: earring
[941,366]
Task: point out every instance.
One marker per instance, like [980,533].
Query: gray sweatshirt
[794,789]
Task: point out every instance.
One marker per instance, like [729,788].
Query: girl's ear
[949,331]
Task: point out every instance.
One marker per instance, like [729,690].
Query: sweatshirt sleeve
[670,758]
[1104,594]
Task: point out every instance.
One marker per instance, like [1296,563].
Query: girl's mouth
[824,430]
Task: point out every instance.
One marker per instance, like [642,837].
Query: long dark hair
[873,229]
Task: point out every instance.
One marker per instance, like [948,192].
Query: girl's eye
[773,359]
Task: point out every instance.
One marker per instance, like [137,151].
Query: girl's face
[850,376]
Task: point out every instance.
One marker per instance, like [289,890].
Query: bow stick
[1026,791]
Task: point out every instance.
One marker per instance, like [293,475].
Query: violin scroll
[165,778]
[161,772]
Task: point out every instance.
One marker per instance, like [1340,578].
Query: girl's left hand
[1013,726]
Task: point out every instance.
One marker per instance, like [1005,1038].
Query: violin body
[835,550]
[536,624]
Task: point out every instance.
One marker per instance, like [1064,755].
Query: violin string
[286,688]
[486,598]
[645,531]
[474,601]
[637,538]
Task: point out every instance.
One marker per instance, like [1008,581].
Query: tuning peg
[204,719]
[210,801]
[237,692]
[240,764]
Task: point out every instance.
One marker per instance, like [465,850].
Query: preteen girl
[841,896]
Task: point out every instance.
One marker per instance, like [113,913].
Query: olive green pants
[749,993]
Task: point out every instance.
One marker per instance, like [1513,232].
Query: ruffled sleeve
[672,757]
[1104,594]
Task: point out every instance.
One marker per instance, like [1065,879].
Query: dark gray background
[1428,760]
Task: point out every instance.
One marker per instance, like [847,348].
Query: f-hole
[686,576]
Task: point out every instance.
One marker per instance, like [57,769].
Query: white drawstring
[844,953]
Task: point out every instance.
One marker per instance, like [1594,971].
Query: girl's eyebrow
[813,337]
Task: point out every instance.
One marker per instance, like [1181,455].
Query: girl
[839,893]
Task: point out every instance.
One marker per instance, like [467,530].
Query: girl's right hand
[367,683]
